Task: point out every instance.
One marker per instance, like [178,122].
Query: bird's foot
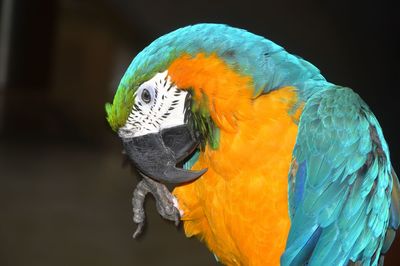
[164,203]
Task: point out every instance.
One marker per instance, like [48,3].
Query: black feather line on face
[153,114]
[146,128]
[186,108]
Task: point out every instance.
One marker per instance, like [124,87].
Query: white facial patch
[158,104]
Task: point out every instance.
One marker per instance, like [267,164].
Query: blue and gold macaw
[273,163]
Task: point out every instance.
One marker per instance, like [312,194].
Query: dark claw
[164,203]
[139,216]
[139,230]
[177,218]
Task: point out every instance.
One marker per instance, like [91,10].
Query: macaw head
[186,87]
[159,131]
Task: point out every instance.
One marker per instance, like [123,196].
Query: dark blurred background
[64,195]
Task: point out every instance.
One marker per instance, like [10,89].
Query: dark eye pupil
[146,96]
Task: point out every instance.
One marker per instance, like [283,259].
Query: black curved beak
[157,154]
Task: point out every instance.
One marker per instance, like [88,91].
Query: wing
[340,185]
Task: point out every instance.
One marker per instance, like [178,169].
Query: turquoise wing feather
[343,193]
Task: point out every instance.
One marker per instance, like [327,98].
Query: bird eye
[146,97]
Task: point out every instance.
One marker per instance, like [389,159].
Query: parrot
[271,163]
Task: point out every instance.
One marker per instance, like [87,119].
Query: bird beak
[157,154]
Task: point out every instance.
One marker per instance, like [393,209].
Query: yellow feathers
[226,94]
[239,208]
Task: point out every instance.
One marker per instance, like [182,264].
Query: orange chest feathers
[239,208]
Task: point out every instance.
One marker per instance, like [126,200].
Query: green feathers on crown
[119,110]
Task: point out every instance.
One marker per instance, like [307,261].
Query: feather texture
[340,204]
[348,183]
[267,64]
[239,207]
